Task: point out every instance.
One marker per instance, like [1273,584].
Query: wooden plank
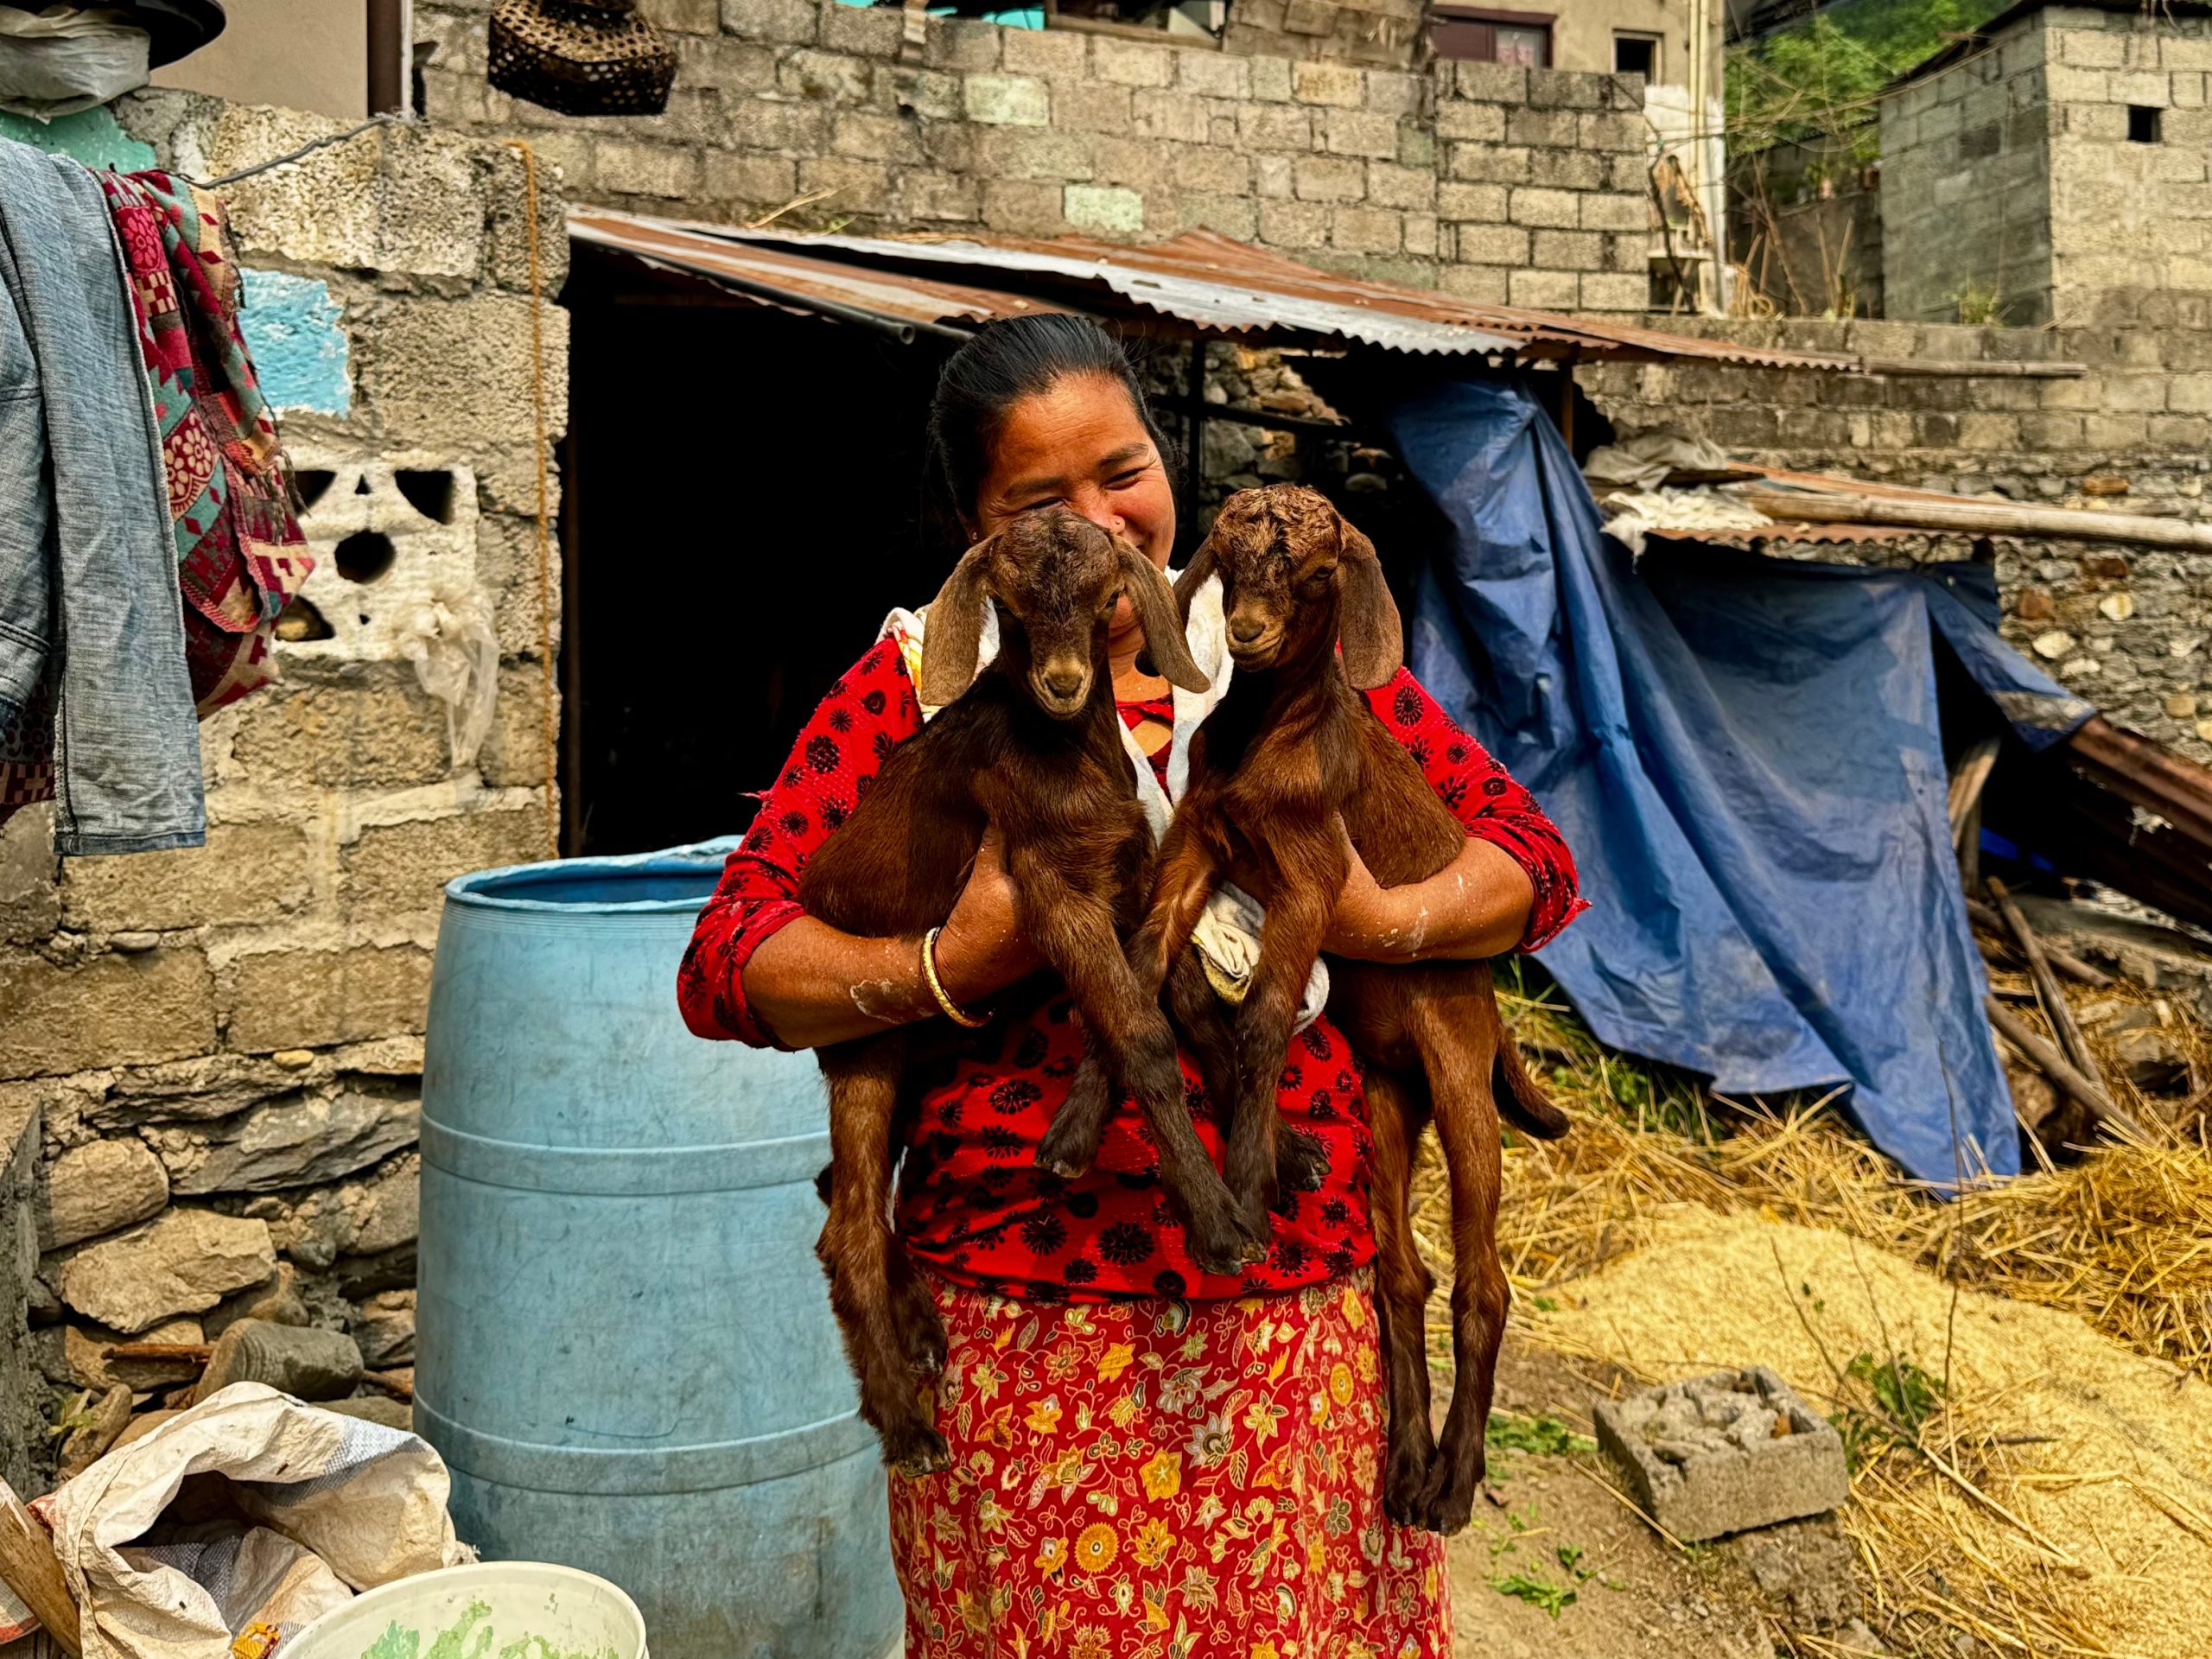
[1977,517]
[28,1567]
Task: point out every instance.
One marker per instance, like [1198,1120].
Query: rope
[544,517]
[389,118]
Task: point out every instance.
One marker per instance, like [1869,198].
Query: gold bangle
[953,1011]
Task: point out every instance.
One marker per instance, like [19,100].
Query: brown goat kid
[1033,746]
[1292,753]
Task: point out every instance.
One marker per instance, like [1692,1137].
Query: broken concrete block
[1724,1453]
[386,1328]
[304,1362]
[98,1188]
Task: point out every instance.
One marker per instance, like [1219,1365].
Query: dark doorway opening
[739,512]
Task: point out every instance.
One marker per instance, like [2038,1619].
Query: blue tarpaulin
[1744,755]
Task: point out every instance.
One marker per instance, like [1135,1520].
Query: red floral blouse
[972,1205]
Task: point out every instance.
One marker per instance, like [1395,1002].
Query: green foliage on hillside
[1823,76]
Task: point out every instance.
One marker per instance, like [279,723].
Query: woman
[1147,1459]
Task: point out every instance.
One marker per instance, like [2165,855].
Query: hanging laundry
[240,556]
[95,707]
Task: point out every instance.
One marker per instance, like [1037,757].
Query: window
[1636,54]
[2142,124]
[1479,36]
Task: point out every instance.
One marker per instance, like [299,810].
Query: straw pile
[2121,1239]
[2056,1498]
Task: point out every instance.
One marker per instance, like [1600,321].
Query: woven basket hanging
[580,57]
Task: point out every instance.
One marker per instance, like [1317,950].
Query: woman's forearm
[811,985]
[1476,906]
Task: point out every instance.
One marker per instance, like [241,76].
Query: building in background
[342,58]
[1676,46]
[2053,168]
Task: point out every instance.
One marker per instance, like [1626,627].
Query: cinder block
[1274,126]
[1565,89]
[1007,100]
[1360,132]
[1213,171]
[191,886]
[308,999]
[1724,1453]
[1130,63]
[1023,207]
[1569,250]
[1108,210]
[111,1010]
[870,31]
[826,77]
[1213,74]
[1294,223]
[1550,209]
[1330,178]
[1491,83]
[1546,290]
[647,169]
[1482,123]
[784,22]
[1052,53]
[1327,83]
[398,869]
[1614,291]
[1365,230]
[1176,116]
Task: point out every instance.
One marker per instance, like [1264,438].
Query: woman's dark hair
[1008,360]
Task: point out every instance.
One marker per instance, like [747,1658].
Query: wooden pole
[28,1567]
[2047,991]
[1977,517]
[2065,961]
[2017,1031]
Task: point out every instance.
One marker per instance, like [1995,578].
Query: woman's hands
[1477,905]
[981,949]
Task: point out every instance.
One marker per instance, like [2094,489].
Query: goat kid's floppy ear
[955,633]
[1195,576]
[1373,637]
[1163,618]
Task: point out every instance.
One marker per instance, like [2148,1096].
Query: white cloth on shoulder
[1228,932]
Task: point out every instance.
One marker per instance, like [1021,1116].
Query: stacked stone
[219,1049]
[1508,184]
[1385,33]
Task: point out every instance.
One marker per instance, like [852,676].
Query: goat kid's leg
[1456,1052]
[1074,933]
[1070,1145]
[1204,1022]
[873,1285]
[1290,939]
[1402,1287]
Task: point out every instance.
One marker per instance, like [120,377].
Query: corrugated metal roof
[803,284]
[1211,284]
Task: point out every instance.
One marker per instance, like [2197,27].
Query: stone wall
[222,1044]
[1493,181]
[2129,628]
[2011,177]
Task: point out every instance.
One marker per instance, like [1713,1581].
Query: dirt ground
[1549,1528]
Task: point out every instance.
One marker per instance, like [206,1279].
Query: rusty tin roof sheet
[1212,283]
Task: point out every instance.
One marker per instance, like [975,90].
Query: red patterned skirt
[1164,1480]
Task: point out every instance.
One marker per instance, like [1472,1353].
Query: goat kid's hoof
[1405,1490]
[1063,1153]
[915,1453]
[1301,1163]
[1224,1248]
[1449,1502]
[921,1333]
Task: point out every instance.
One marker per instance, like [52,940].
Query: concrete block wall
[1384,33]
[237,1029]
[2013,173]
[2129,628]
[1495,182]
[1966,187]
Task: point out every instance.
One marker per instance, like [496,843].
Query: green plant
[1535,1590]
[1546,1436]
[1976,304]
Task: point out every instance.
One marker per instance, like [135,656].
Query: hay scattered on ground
[2092,1530]
[2121,1240]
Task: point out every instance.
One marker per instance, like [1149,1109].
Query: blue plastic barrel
[624,1350]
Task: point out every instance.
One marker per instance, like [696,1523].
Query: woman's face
[1079,443]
